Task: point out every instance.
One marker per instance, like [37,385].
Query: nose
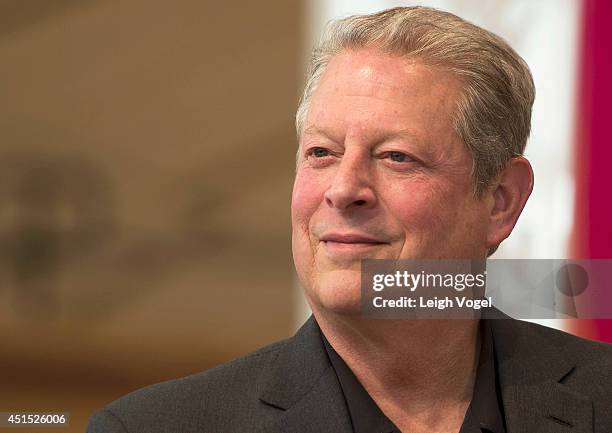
[351,186]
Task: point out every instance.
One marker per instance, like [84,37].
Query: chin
[339,293]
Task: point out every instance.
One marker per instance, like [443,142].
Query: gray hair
[493,116]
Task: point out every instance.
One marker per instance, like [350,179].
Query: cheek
[417,206]
[305,200]
[444,222]
[429,213]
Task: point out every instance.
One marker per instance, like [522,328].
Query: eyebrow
[315,130]
[402,134]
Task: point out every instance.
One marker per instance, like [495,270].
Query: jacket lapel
[302,385]
[531,371]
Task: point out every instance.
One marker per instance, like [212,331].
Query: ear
[509,193]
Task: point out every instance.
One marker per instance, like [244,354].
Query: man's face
[382,174]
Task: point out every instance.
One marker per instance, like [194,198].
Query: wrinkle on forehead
[380,71]
[366,96]
[393,80]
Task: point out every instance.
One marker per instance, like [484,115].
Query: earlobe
[510,194]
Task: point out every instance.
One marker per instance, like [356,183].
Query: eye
[319,157]
[396,156]
[318,152]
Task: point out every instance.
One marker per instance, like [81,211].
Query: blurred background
[146,166]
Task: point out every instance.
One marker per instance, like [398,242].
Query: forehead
[368,90]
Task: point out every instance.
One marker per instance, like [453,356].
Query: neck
[407,364]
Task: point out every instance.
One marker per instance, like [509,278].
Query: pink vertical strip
[592,237]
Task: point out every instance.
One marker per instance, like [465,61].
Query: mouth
[350,242]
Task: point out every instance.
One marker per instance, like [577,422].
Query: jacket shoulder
[579,349]
[191,403]
[592,372]
[591,361]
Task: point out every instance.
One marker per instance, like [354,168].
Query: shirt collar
[484,415]
[366,416]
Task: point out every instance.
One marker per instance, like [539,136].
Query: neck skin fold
[410,368]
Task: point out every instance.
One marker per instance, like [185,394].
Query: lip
[349,242]
[350,238]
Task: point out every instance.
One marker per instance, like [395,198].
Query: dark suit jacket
[551,382]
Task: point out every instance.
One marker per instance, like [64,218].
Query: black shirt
[484,415]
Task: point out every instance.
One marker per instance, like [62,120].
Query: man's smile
[342,243]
